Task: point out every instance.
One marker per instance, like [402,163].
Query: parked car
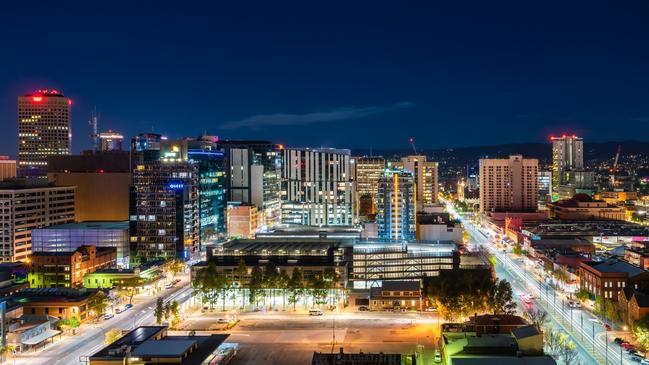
[644,362]
[128,306]
[636,358]
[607,326]
[363,308]
[108,316]
[626,345]
[631,351]
[221,320]
[618,340]
[431,309]
[438,357]
[573,304]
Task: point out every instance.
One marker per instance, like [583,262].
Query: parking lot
[291,338]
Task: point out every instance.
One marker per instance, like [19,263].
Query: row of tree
[169,311]
[264,285]
[463,295]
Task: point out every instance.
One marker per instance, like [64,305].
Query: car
[363,308]
[315,312]
[118,310]
[631,351]
[618,340]
[128,306]
[431,309]
[108,316]
[437,357]
[637,358]
[221,320]
[607,326]
[626,345]
[644,362]
[573,304]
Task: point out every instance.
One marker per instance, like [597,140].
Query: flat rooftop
[90,225]
[502,360]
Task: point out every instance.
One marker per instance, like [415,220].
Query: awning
[41,337]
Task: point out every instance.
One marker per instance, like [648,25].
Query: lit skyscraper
[396,206]
[317,187]
[368,173]
[567,154]
[426,179]
[44,129]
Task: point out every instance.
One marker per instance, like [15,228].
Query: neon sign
[176,186]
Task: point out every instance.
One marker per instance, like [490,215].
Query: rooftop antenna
[94,120]
[412,143]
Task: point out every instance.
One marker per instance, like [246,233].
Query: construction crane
[412,143]
[615,166]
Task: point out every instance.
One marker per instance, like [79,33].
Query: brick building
[66,269]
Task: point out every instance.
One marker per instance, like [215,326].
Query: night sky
[342,74]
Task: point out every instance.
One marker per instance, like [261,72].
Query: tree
[241,273]
[256,282]
[270,279]
[568,351]
[606,309]
[130,286]
[158,312]
[318,289]
[501,298]
[331,279]
[71,323]
[98,302]
[582,295]
[174,266]
[640,329]
[552,341]
[8,349]
[295,286]
[209,283]
[174,312]
[537,317]
[458,296]
[112,336]
[517,250]
[282,284]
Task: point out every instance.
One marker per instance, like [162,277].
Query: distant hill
[543,151]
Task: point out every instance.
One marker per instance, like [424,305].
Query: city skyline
[439,73]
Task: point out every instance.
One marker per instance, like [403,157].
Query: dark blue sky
[344,74]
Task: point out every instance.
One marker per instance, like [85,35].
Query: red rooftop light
[37,99]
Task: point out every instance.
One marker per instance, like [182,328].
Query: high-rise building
[545,188]
[508,184]
[567,154]
[7,168]
[426,179]
[44,129]
[146,147]
[210,161]
[396,206]
[164,205]
[368,173]
[317,187]
[110,141]
[254,176]
[26,205]
[102,181]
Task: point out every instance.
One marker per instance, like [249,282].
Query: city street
[584,328]
[90,338]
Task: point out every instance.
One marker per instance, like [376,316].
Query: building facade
[317,187]
[544,188]
[254,176]
[7,168]
[396,206]
[243,220]
[110,141]
[368,173]
[70,236]
[44,130]
[26,205]
[567,154]
[582,207]
[66,269]
[164,219]
[102,181]
[425,177]
[608,278]
[508,184]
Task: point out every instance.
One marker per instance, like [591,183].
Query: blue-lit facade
[396,206]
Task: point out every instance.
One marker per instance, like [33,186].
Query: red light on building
[69,101]
[564,136]
[101,171]
[37,99]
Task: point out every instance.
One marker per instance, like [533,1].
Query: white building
[317,188]
[567,154]
[426,179]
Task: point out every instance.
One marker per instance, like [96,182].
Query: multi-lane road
[594,343]
[73,350]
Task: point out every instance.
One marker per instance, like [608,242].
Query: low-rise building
[638,255]
[609,277]
[148,272]
[66,269]
[153,345]
[62,303]
[583,207]
[13,277]
[633,304]
[242,220]
[396,295]
[438,227]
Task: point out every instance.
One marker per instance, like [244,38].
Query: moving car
[438,356]
[363,308]
[315,312]
[574,304]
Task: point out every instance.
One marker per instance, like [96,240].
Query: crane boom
[412,143]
